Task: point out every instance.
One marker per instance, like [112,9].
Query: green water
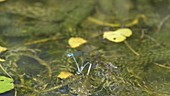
[36,34]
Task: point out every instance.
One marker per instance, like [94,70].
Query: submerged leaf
[118,35]
[64,75]
[2,0]
[2,49]
[76,42]
[2,60]
[6,84]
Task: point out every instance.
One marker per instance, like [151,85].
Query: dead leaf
[75,42]
[64,75]
[2,49]
[2,0]
[2,60]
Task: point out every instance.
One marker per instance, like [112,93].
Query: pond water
[64,48]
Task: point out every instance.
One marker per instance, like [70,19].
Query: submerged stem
[131,49]
[61,85]
[5,71]
[42,62]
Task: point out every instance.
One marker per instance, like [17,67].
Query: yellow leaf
[113,36]
[2,60]
[76,42]
[124,31]
[2,49]
[2,0]
[119,35]
[64,75]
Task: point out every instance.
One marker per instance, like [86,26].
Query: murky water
[36,34]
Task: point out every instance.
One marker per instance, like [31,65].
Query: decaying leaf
[64,75]
[75,42]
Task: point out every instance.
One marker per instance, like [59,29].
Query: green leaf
[6,84]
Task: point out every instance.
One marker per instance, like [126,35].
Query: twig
[40,41]
[102,23]
[163,66]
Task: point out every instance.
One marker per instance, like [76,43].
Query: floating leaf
[118,35]
[124,31]
[2,49]
[6,84]
[64,75]
[76,42]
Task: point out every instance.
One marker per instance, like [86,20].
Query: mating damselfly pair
[80,68]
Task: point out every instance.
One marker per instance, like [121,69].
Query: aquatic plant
[36,37]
